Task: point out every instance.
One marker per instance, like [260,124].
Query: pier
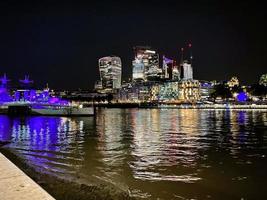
[16,185]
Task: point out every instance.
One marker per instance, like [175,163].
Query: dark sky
[60,43]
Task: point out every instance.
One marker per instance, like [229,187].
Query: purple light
[54,100]
[242,96]
[167,60]
[4,95]
[2,90]
[206,84]
[4,80]
[17,96]
[32,95]
[26,80]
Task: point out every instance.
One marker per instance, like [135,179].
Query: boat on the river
[38,102]
[31,108]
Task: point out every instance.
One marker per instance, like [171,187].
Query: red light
[190,45]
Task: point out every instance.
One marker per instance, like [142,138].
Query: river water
[152,153]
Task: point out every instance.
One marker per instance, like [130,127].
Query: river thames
[150,153]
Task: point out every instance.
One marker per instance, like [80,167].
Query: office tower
[110,72]
[186,71]
[146,64]
[170,69]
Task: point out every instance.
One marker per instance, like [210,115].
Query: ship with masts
[28,101]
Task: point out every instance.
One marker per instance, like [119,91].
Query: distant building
[154,92]
[175,73]
[263,80]
[189,90]
[145,64]
[98,85]
[169,91]
[206,89]
[233,82]
[110,72]
[186,71]
[170,69]
[138,70]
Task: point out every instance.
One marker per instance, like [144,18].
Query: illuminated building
[145,64]
[110,72]
[139,92]
[175,73]
[169,91]
[128,93]
[154,92]
[233,82]
[122,95]
[144,93]
[170,69]
[98,85]
[263,80]
[138,70]
[186,71]
[189,90]
[206,88]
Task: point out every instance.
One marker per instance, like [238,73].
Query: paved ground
[16,185]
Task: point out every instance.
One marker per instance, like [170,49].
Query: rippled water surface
[152,153]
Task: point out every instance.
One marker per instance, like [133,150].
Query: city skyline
[47,39]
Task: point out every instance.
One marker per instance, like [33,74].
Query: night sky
[60,43]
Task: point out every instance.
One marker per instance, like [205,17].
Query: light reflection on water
[165,154]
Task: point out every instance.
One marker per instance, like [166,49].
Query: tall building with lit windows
[110,72]
[170,69]
[186,71]
[146,64]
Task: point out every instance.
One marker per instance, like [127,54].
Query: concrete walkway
[16,185]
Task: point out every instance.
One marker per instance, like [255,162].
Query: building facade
[206,89]
[189,90]
[169,91]
[110,69]
[263,80]
[233,82]
[186,71]
[170,69]
[145,64]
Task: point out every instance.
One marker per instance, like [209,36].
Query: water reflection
[153,153]
[50,144]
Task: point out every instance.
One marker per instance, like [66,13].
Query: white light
[149,51]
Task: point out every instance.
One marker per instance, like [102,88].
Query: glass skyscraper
[146,64]
[110,72]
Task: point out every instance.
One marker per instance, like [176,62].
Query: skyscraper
[170,69]
[110,72]
[146,64]
[167,67]
[138,69]
[186,70]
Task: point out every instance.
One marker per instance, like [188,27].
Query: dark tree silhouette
[221,90]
